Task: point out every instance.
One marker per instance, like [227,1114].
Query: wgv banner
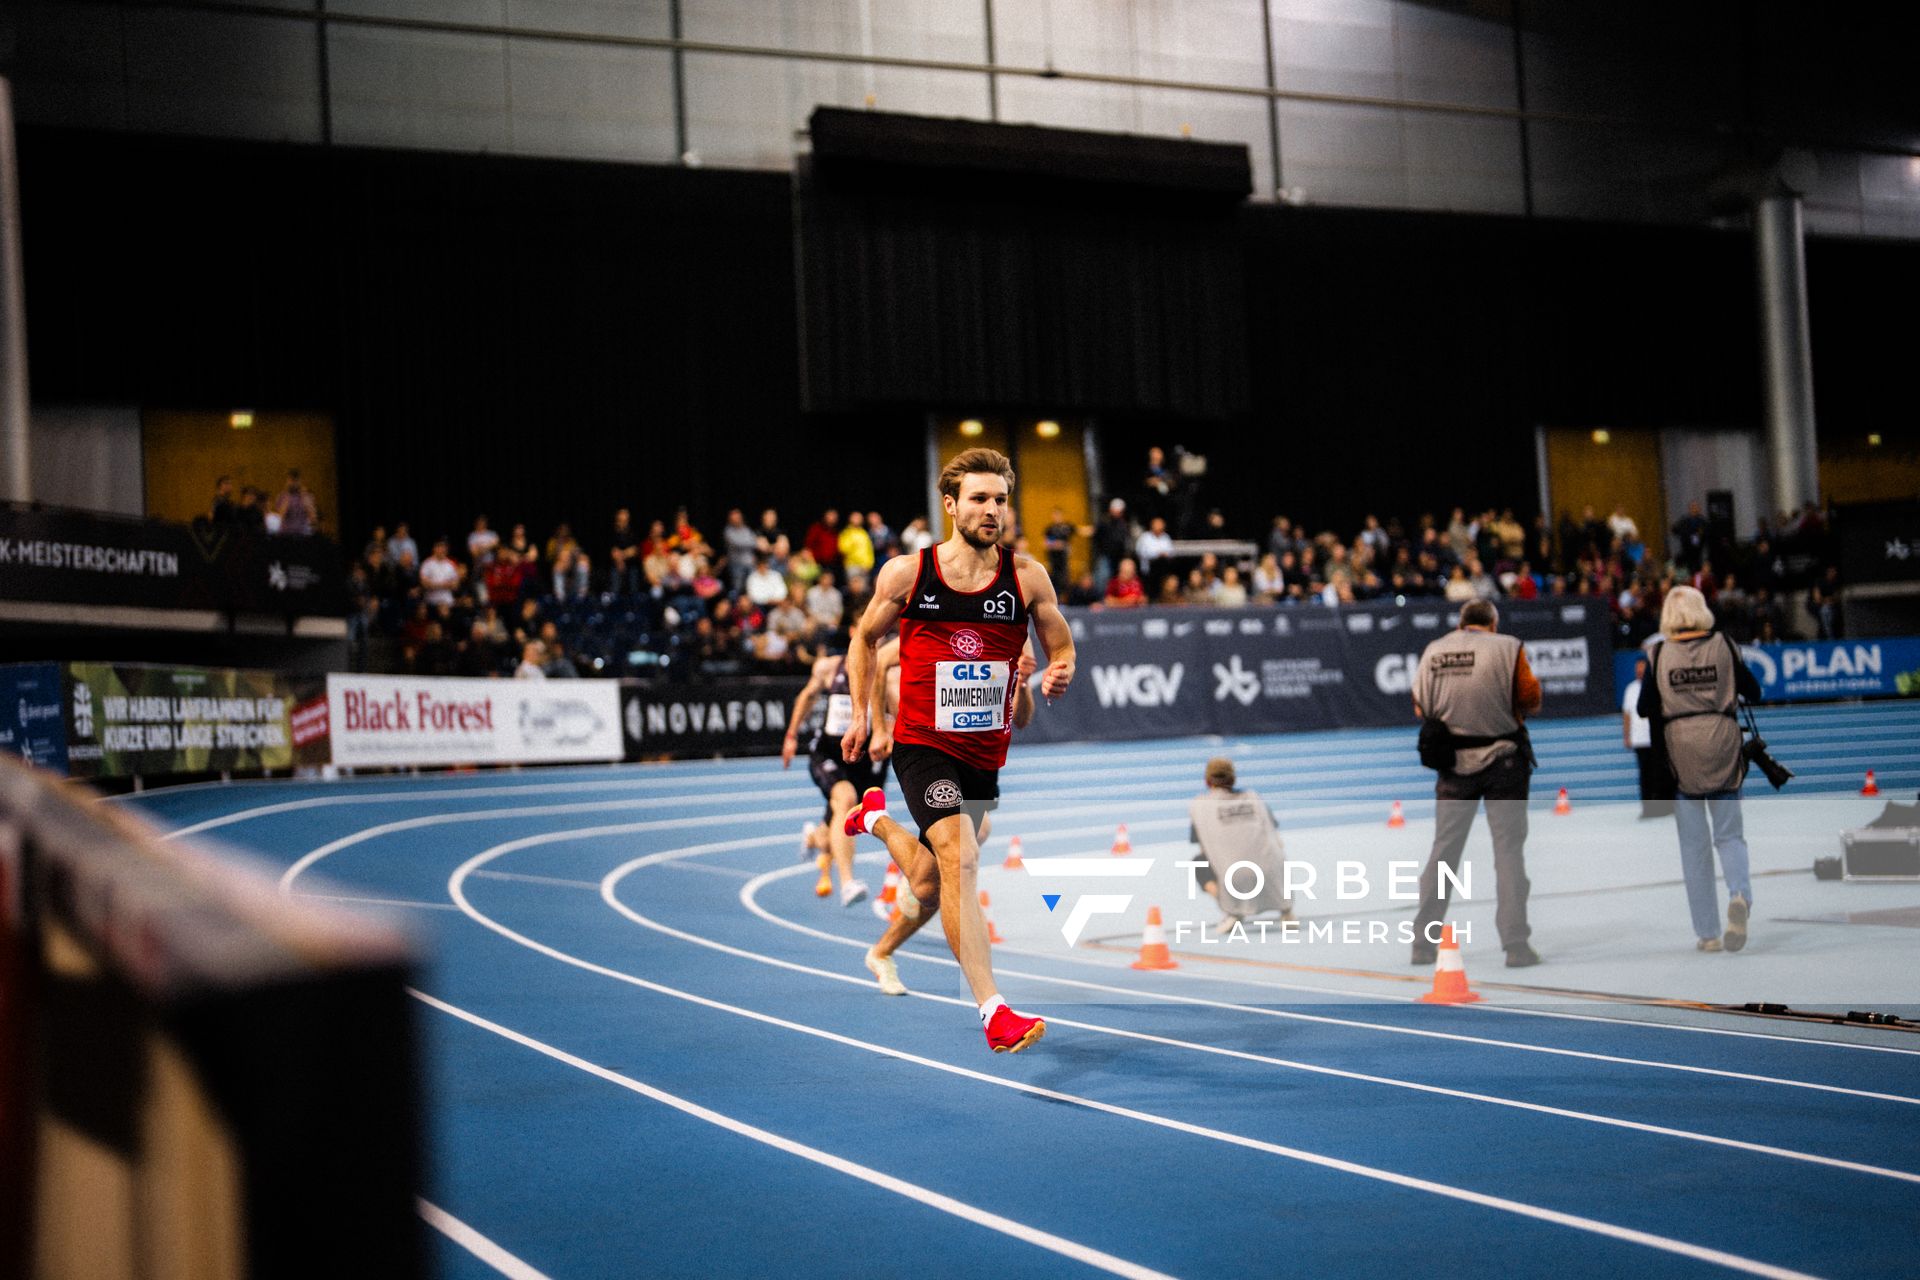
[1147,673]
[405,720]
[1888,667]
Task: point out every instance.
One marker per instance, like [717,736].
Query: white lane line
[1020,1231]
[516,875]
[377,902]
[609,893]
[456,890]
[734,873]
[749,898]
[472,1241]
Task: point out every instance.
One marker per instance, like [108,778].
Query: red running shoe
[873,801]
[1008,1032]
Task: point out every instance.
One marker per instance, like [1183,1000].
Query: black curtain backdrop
[546,340]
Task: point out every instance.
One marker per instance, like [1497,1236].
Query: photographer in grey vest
[1695,679]
[1232,826]
[1472,692]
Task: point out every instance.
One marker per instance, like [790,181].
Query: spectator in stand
[1083,593]
[1280,539]
[480,545]
[885,545]
[1484,587]
[768,536]
[1112,542]
[504,579]
[623,556]
[657,565]
[1124,589]
[1170,592]
[383,579]
[1823,602]
[533,662]
[1734,610]
[917,538]
[1375,537]
[298,514]
[1459,535]
[856,548]
[685,537]
[656,542]
[1230,592]
[439,576]
[1459,589]
[765,586]
[739,543]
[1690,535]
[705,585]
[478,656]
[1058,540]
[1526,586]
[403,553]
[572,572]
[823,539]
[1156,488]
[802,569]
[1153,547]
[1636,731]
[223,511]
[825,607]
[789,622]
[1622,526]
[558,665]
[1269,582]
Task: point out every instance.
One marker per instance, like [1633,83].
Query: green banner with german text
[125,720]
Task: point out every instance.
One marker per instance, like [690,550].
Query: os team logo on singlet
[944,794]
[968,644]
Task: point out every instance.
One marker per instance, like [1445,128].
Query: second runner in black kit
[840,781]
[964,608]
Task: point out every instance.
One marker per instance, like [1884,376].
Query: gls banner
[1888,667]
[405,720]
[1178,672]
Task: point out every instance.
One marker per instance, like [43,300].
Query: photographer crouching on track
[1691,694]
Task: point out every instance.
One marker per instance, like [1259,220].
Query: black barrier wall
[1152,673]
[737,718]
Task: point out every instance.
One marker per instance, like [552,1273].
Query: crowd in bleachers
[757,597]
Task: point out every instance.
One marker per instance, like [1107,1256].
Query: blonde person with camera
[1691,695]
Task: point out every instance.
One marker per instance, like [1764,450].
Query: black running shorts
[938,786]
[826,768]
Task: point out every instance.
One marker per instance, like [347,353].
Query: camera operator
[1690,695]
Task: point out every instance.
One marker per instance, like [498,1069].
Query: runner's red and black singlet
[957,656]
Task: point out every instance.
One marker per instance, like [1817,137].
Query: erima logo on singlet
[929,602]
[1685,677]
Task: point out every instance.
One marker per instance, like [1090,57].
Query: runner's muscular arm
[1056,637]
[1023,698]
[891,587]
[881,744]
[822,669]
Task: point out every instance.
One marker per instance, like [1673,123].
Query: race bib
[970,697]
[839,714]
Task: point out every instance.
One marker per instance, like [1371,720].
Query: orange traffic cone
[1396,818]
[1153,944]
[993,934]
[1562,804]
[1872,788]
[1120,842]
[883,906]
[825,888]
[1449,975]
[1014,861]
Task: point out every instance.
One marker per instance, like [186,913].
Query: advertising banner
[737,718]
[33,724]
[1818,670]
[76,557]
[1151,673]
[406,720]
[124,720]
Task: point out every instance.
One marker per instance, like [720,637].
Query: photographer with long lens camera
[1691,695]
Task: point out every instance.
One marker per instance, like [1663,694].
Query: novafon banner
[733,718]
[1888,667]
[1149,673]
[404,720]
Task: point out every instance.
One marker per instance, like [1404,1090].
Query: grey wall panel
[942,30]
[592,101]
[1344,155]
[89,456]
[68,68]
[484,12]
[222,74]
[419,89]
[1457,58]
[650,18]
[749,111]
[1335,46]
[1693,463]
[1202,41]
[1463,163]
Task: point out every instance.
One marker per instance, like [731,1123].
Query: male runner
[840,781]
[963,609]
[920,888]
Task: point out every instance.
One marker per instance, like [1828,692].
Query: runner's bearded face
[980,512]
